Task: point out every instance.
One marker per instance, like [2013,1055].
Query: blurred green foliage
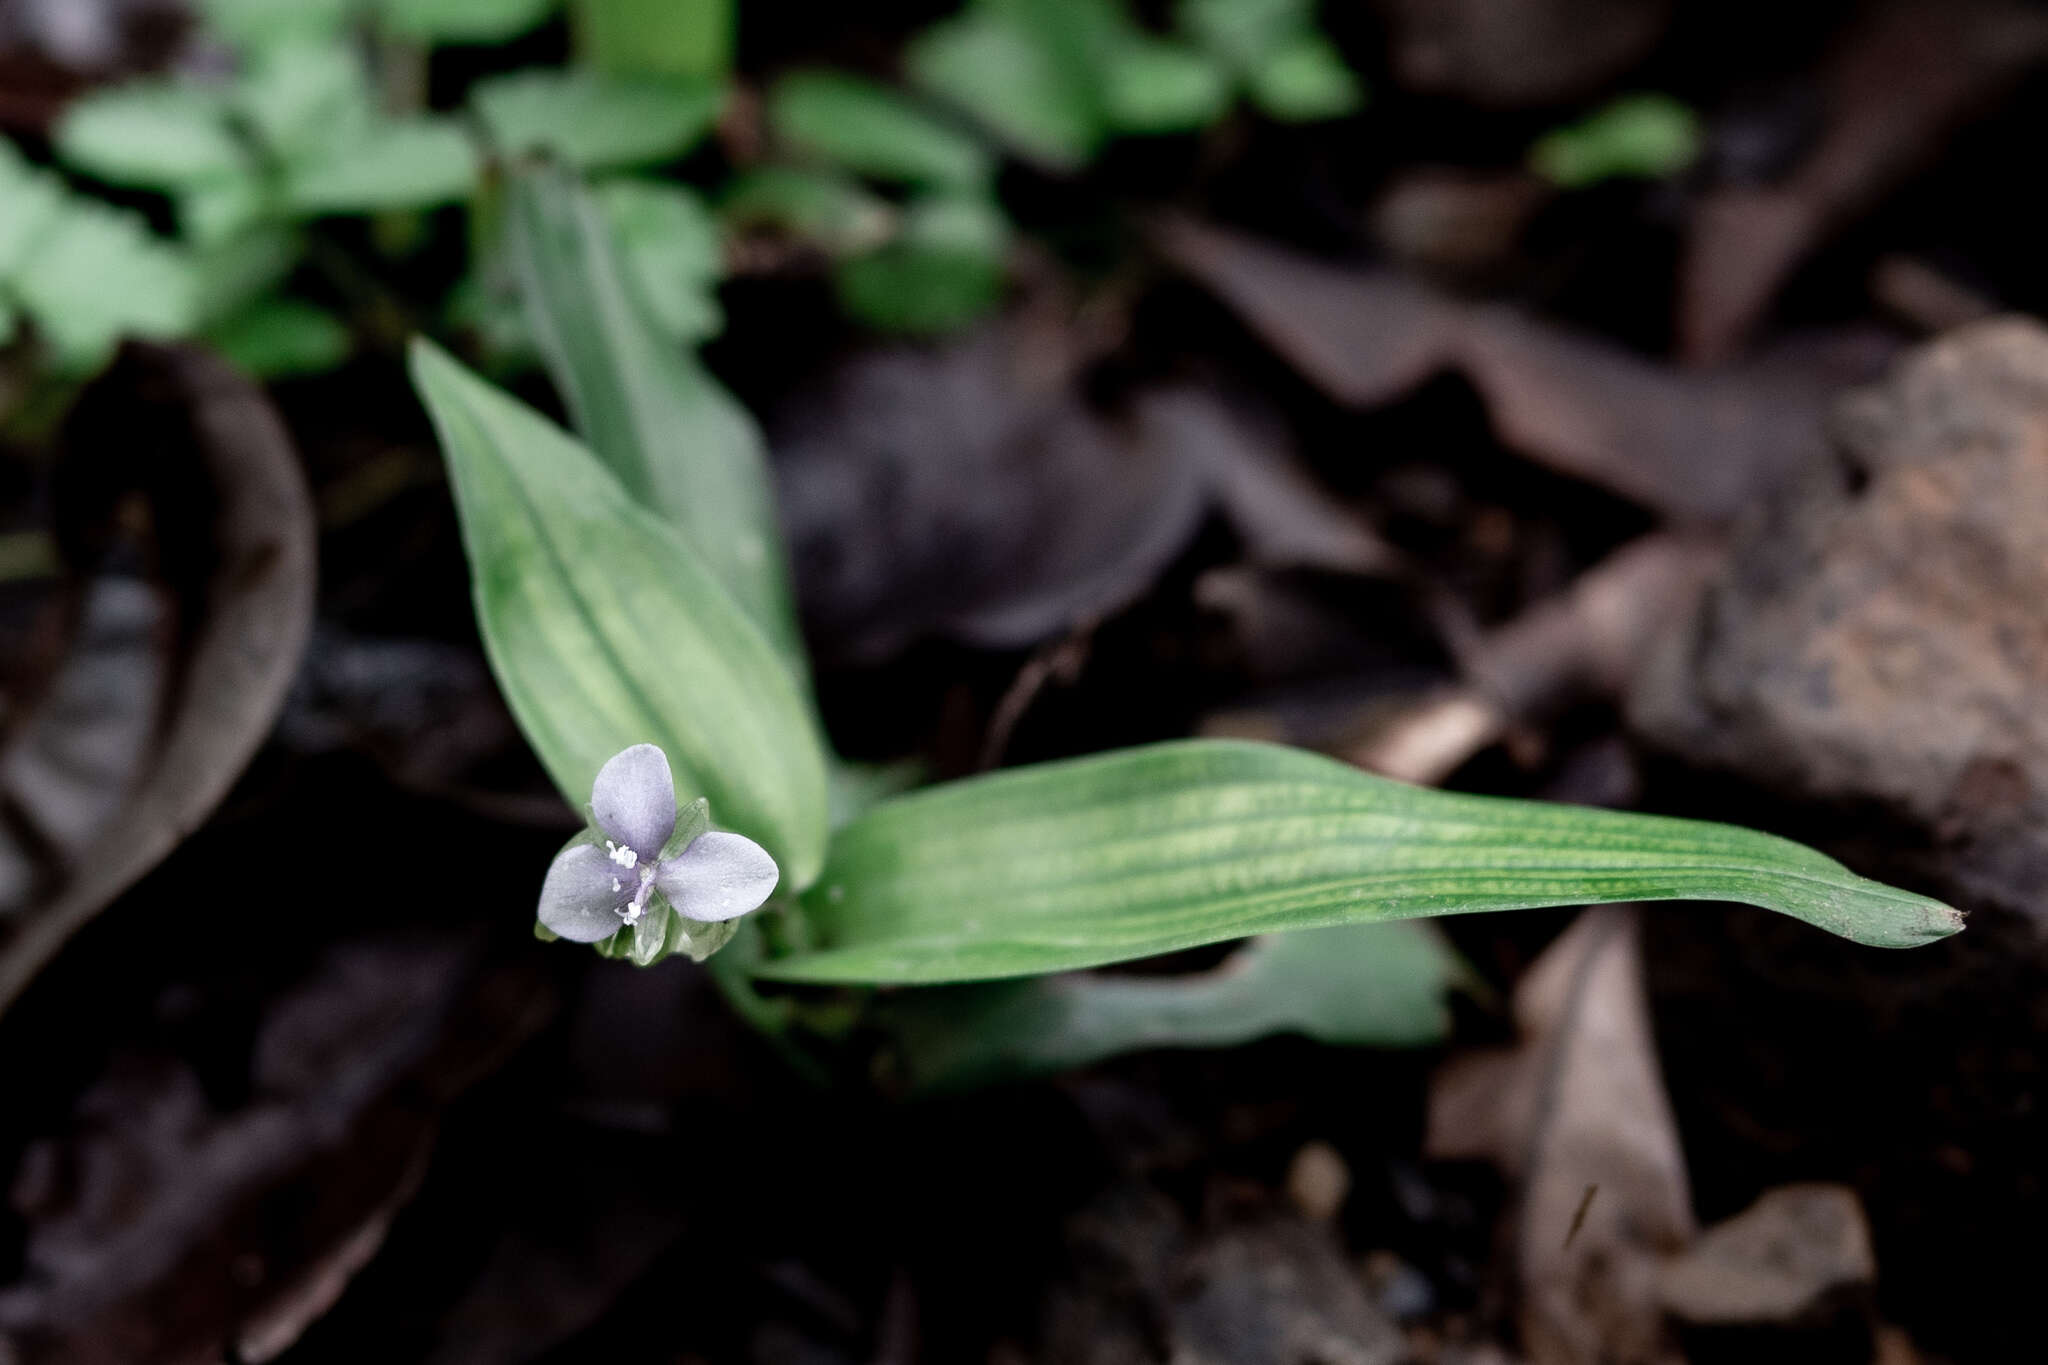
[1645,137]
[692,38]
[324,117]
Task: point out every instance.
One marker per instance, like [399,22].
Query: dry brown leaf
[1692,447]
[172,685]
[165,1229]
[1921,295]
[1900,82]
[969,491]
[1776,1262]
[1577,1117]
[1584,644]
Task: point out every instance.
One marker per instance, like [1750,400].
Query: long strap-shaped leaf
[679,442]
[605,629]
[1148,850]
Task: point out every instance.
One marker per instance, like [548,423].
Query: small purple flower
[635,863]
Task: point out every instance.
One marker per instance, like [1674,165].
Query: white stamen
[615,884]
[624,857]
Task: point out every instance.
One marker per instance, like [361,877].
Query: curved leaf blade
[676,439]
[1149,850]
[1357,985]
[605,629]
[161,421]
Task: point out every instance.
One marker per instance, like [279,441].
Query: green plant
[310,127]
[1635,137]
[630,591]
[324,117]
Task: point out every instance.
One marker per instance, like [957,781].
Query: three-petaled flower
[634,864]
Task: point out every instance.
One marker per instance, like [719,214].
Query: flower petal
[634,799]
[718,877]
[577,900]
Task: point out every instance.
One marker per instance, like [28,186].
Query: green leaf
[871,130]
[272,338]
[1291,71]
[35,202]
[1149,850]
[461,21]
[593,121]
[263,23]
[681,445]
[1305,80]
[996,65]
[86,273]
[826,208]
[397,164]
[156,134]
[943,270]
[605,629]
[1152,85]
[1054,78]
[673,254]
[219,210]
[857,786]
[1357,985]
[1245,32]
[1637,136]
[300,98]
[656,37]
[234,274]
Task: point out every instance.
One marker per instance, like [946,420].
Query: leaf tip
[423,354]
[1909,921]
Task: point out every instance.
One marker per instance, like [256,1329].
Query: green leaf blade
[1154,85]
[869,129]
[1305,81]
[674,437]
[276,338]
[605,630]
[1150,850]
[944,269]
[266,23]
[656,37]
[593,121]
[1635,137]
[996,67]
[1358,985]
[155,134]
[461,21]
[396,164]
[673,254]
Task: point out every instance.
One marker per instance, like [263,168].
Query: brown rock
[1879,640]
